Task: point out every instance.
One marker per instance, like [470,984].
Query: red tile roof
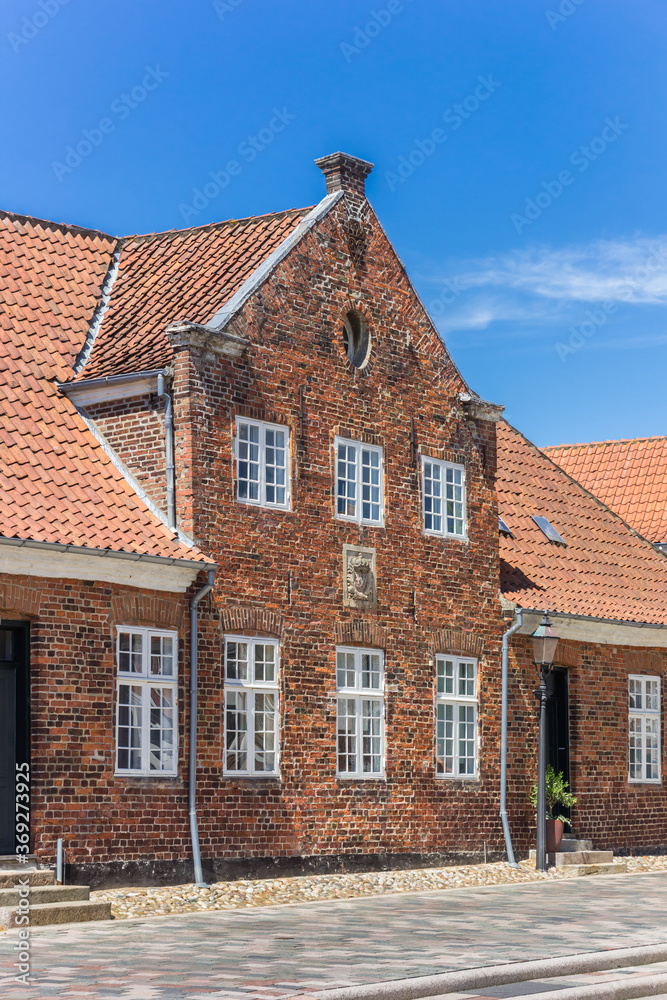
[167,277]
[629,476]
[56,482]
[605,570]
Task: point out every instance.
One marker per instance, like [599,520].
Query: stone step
[35,876]
[572,844]
[608,868]
[566,858]
[75,911]
[46,894]
[10,861]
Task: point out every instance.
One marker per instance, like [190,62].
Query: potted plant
[556,795]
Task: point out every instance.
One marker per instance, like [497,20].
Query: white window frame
[463,695]
[360,696]
[444,467]
[360,447]
[251,688]
[262,427]
[146,683]
[640,718]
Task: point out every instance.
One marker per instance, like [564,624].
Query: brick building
[268,396]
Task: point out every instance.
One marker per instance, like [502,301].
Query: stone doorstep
[572,844]
[46,894]
[35,876]
[74,911]
[564,859]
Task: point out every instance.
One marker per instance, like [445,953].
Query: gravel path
[139,902]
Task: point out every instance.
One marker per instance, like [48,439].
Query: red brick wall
[100,816]
[290,563]
[610,811]
[134,428]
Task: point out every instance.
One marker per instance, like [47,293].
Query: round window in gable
[356,339]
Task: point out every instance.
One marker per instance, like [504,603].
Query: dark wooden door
[13,723]
[558,729]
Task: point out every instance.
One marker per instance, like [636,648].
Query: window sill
[361,777]
[236,776]
[142,776]
[446,538]
[283,509]
[458,777]
[645,781]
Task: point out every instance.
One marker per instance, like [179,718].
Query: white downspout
[503,739]
[192,784]
[169,451]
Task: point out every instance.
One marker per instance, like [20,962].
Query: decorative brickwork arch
[19,600]
[245,620]
[568,654]
[359,631]
[457,641]
[640,662]
[142,609]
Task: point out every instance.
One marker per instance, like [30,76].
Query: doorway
[14,723]
[558,729]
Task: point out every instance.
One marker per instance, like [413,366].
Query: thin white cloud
[633,271]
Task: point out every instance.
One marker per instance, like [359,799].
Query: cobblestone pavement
[311,888]
[273,952]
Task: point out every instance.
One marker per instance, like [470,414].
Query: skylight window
[502,527]
[548,529]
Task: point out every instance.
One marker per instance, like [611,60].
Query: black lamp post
[545,641]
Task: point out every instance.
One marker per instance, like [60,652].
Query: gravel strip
[135,902]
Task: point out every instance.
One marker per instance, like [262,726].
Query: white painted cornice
[27,557]
[112,387]
[605,631]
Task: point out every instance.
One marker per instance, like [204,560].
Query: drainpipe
[168,451]
[192,784]
[503,739]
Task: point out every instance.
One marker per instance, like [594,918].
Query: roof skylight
[548,529]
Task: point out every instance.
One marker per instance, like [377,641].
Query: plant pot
[554,835]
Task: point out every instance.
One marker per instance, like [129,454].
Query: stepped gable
[629,476]
[604,569]
[56,482]
[182,274]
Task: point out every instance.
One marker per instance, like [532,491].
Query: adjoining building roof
[57,484]
[603,570]
[629,476]
[182,274]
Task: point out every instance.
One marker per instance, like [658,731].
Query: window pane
[265,727]
[162,655]
[634,692]
[346,725]
[265,667]
[445,676]
[346,475]
[444,747]
[370,485]
[162,726]
[370,670]
[635,748]
[466,740]
[454,500]
[652,695]
[345,677]
[130,718]
[466,680]
[237,661]
[236,731]
[432,497]
[130,652]
[248,462]
[371,721]
[275,465]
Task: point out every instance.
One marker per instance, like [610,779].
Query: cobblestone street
[278,951]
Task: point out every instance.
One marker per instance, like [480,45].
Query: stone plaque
[359,587]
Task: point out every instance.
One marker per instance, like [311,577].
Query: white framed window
[359,713]
[359,482]
[443,498]
[251,706]
[643,728]
[262,463]
[147,702]
[455,717]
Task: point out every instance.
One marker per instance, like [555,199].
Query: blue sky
[520,152]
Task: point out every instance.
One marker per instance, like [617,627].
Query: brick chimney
[344,172]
